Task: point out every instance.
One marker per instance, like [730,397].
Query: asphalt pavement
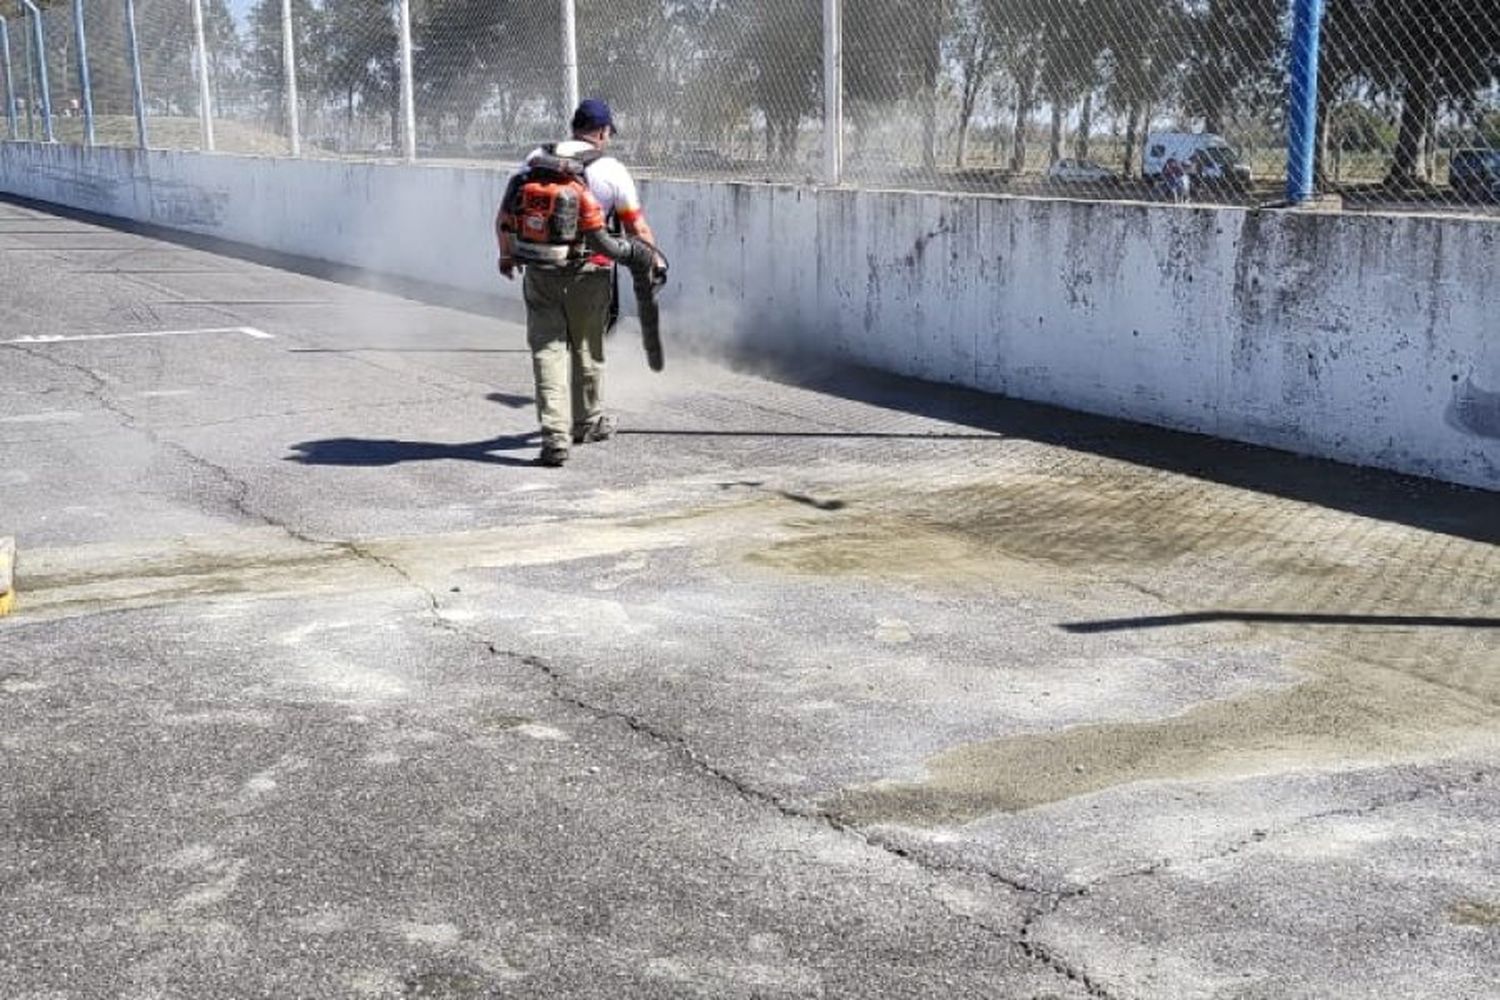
[810,683]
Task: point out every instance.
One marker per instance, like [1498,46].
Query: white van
[1215,160]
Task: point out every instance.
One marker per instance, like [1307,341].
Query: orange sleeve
[628,215]
[590,213]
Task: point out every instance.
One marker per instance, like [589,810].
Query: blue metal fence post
[40,41]
[137,91]
[10,82]
[1302,110]
[84,83]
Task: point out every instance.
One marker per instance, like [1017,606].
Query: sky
[241,10]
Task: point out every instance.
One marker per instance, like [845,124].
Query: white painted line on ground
[248,331]
[45,417]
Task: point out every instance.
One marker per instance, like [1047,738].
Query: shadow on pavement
[376,452]
[513,400]
[802,498]
[1277,618]
[844,435]
[407,350]
[1427,504]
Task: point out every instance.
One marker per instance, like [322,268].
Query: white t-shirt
[608,179]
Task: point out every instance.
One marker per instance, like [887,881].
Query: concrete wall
[1369,339]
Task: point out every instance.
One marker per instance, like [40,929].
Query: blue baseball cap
[594,114]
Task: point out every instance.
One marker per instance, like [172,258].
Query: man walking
[568,303]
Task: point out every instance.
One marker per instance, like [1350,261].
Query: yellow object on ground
[7,575]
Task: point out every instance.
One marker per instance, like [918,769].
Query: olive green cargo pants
[566,313]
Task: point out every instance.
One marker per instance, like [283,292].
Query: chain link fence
[709,92]
[488,78]
[1409,95]
[1182,100]
[348,75]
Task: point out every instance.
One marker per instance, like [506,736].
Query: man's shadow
[374,452]
[377,452]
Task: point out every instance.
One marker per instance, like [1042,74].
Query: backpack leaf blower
[553,222]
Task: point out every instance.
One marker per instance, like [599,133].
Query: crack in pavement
[236,491]
[1040,902]
[1058,900]
[1045,902]
[558,684]
[758,796]
[98,391]
[1259,836]
[236,494]
[1265,836]
[1051,958]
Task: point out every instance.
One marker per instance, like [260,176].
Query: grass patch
[175,132]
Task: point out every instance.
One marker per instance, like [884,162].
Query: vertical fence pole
[137,90]
[14,129]
[408,95]
[833,91]
[30,88]
[289,68]
[85,84]
[40,41]
[1302,113]
[205,109]
[570,55]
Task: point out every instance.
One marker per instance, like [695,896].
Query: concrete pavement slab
[334,797]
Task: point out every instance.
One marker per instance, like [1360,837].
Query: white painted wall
[1369,339]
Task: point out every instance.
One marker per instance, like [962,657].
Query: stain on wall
[188,206]
[1476,410]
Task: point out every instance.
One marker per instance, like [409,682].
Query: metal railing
[1387,104]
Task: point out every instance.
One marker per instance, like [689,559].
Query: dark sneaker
[601,429]
[553,455]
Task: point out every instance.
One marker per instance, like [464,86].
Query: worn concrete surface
[824,686]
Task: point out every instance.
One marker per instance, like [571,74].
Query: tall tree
[894,58]
[1232,47]
[782,53]
[1141,63]
[361,68]
[1071,44]
[264,54]
[630,53]
[974,48]
[1024,24]
[1426,52]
